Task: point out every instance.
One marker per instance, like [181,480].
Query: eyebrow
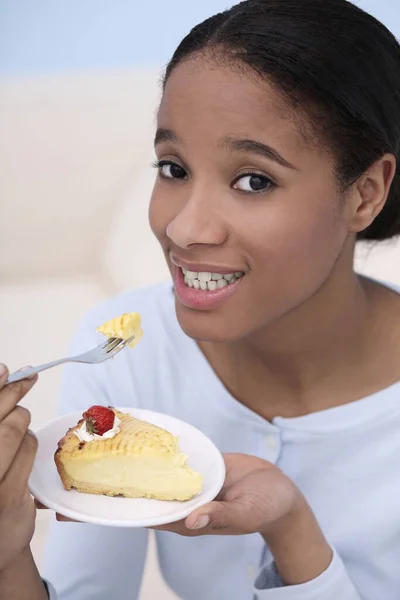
[165,135]
[253,147]
[235,144]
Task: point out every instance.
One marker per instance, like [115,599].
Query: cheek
[159,215]
[296,240]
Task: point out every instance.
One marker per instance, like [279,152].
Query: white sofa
[75,180]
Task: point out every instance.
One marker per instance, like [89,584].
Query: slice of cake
[112,453]
[126,326]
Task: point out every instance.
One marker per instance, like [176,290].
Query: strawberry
[99,419]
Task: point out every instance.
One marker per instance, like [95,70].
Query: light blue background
[44,36]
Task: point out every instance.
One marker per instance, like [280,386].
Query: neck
[297,362]
[318,334]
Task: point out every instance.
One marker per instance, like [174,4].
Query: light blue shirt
[346,460]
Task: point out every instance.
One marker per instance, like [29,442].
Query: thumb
[220,515]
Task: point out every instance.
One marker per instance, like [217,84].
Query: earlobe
[371,192]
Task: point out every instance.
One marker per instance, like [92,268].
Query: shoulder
[384,329]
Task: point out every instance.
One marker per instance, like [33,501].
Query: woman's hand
[17,452]
[255,496]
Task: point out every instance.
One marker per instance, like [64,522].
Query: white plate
[46,486]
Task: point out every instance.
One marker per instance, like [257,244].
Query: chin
[207,326]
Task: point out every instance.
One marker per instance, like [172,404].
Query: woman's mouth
[205,290]
[209,281]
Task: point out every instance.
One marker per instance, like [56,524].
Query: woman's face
[246,211]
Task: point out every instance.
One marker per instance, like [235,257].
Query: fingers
[59,517]
[13,429]
[199,524]
[222,518]
[239,465]
[178,527]
[16,479]
[12,393]
[213,513]
[64,519]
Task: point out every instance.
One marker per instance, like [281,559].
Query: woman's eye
[253,183]
[170,170]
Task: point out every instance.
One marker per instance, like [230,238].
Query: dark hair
[332,60]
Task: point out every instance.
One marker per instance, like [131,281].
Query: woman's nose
[197,223]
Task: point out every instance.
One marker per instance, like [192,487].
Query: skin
[19,578]
[301,330]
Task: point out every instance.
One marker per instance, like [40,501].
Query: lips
[203,267]
[204,290]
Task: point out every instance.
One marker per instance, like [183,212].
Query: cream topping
[84,436]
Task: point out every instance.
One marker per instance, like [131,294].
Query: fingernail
[201,522]
[3,369]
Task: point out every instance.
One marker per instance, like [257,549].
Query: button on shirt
[346,461]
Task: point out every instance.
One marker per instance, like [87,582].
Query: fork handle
[24,373]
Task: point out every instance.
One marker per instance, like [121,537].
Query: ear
[370,193]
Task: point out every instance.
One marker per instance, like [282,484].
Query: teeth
[204,276]
[205,280]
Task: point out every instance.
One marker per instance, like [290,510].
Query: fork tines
[112,344]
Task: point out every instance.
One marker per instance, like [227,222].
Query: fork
[94,356]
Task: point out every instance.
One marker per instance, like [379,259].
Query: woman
[277,141]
